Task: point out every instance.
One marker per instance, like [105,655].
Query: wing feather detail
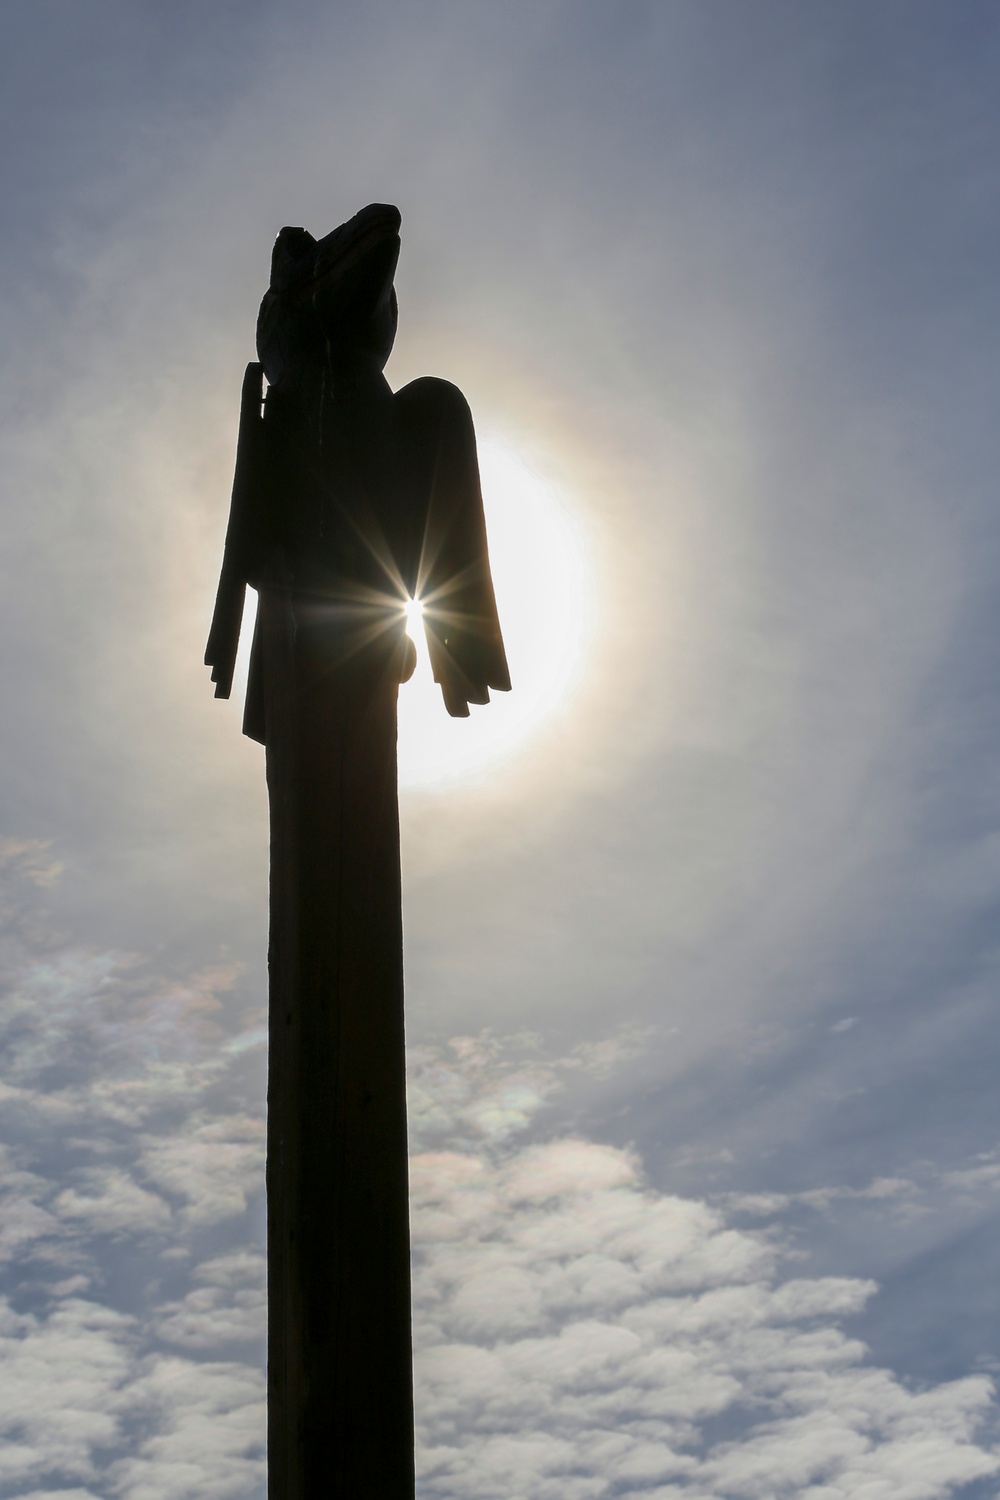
[224,636]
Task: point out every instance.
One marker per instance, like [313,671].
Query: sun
[547,604]
[413,609]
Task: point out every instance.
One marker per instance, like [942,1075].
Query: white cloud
[209,1437]
[213,1164]
[103,1043]
[112,1202]
[75,1383]
[100,1039]
[231,1307]
[23,1223]
[490,1087]
[62,1380]
[578,1335]
[581,1336]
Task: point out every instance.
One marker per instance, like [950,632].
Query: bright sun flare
[545,599]
[413,610]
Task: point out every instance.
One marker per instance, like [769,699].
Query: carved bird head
[331,300]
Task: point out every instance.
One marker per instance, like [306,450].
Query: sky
[701,944]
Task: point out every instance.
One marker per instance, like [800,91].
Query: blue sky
[702,959]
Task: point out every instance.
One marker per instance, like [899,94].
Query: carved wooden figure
[348,501]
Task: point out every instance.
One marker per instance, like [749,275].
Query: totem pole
[349,501]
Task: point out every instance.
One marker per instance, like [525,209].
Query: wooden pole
[340,1391]
[347,497]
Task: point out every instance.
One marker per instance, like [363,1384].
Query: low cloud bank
[580,1336]
[577,1334]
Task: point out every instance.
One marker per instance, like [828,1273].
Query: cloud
[63,1381]
[84,1401]
[209,1432]
[577,1333]
[31,859]
[23,1219]
[100,1043]
[581,1336]
[229,1308]
[213,1164]
[847,1023]
[114,1039]
[491,1087]
[112,1202]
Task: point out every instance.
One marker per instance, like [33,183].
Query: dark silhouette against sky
[348,503]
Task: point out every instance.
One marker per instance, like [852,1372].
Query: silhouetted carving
[348,501]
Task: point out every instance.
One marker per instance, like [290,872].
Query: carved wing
[224,637]
[449,564]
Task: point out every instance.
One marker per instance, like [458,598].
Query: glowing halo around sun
[545,598]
